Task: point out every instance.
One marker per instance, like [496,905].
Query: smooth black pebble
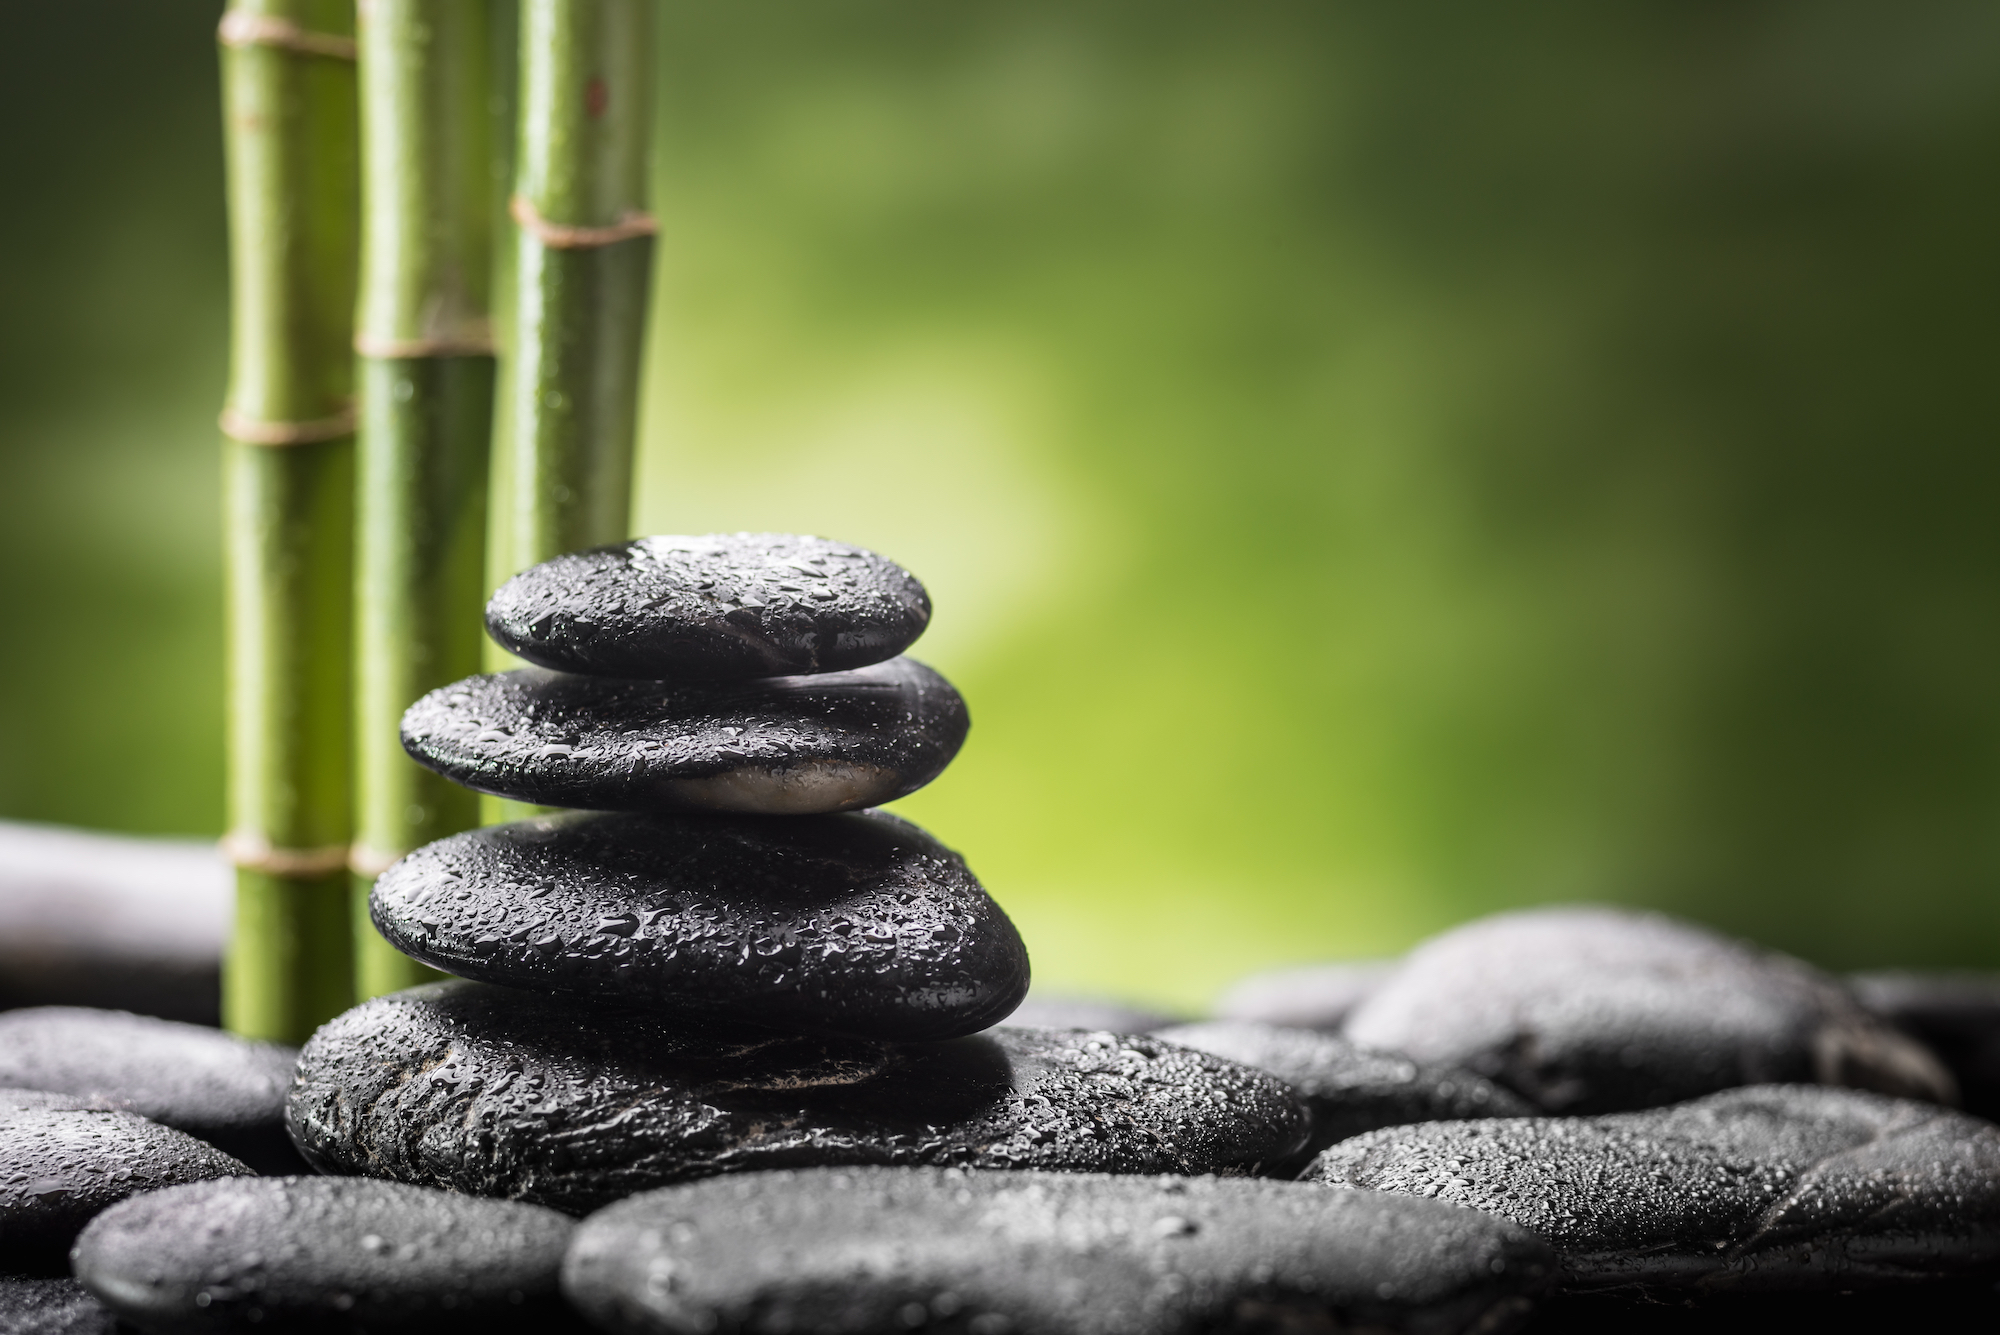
[862,1251]
[717,607]
[1312,996]
[858,924]
[499,1092]
[1774,1186]
[781,746]
[326,1254]
[63,1160]
[52,1307]
[1590,1009]
[226,1090]
[1350,1090]
[1956,1015]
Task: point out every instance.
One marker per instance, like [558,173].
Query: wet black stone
[713,608]
[862,1251]
[856,924]
[51,1307]
[785,746]
[326,1254]
[225,1090]
[505,1093]
[1590,1009]
[1057,1010]
[63,1160]
[1350,1089]
[1774,1186]
[1958,1307]
[1955,1015]
[1315,996]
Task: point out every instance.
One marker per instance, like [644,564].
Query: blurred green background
[1373,464]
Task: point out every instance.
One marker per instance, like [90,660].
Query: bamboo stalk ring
[564,236]
[258,431]
[242,28]
[249,851]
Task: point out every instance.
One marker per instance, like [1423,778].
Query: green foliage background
[1374,464]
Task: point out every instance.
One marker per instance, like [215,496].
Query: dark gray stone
[1955,1015]
[859,924]
[91,919]
[1057,1010]
[226,1090]
[782,746]
[51,1307]
[62,1160]
[712,608]
[1313,996]
[505,1093]
[867,1251]
[326,1254]
[1350,1090]
[1587,1009]
[1775,1186]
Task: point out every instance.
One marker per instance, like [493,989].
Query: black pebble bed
[763,1053]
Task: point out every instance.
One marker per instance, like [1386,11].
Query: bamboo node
[366,860]
[249,851]
[242,28]
[563,236]
[463,345]
[257,431]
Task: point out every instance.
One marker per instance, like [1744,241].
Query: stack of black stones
[745,1024]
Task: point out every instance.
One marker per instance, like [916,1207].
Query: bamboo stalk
[562,465]
[288,470]
[427,369]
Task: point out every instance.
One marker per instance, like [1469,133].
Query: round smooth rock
[52,1307]
[1060,1010]
[1588,1009]
[498,1092]
[859,924]
[1775,1186]
[1954,1014]
[781,746]
[226,1090]
[63,1159]
[318,1253]
[1314,996]
[860,1251]
[1350,1090]
[718,607]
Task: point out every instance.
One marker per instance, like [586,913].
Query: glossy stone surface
[785,746]
[718,607]
[859,924]
[62,1160]
[1956,1015]
[1312,996]
[506,1093]
[1350,1089]
[51,1307]
[1587,1009]
[860,1251]
[323,1253]
[226,1090]
[1775,1186]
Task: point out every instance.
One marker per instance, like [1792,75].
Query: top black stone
[864,1251]
[1774,1186]
[711,608]
[1586,1009]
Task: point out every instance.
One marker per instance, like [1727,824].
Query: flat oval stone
[52,1307]
[500,1092]
[1312,996]
[859,924]
[1349,1089]
[1588,1009]
[718,607]
[226,1090]
[782,746]
[1774,1186]
[1954,1014]
[290,1253]
[62,1160]
[857,1251]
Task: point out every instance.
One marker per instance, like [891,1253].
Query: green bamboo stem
[288,471]
[426,364]
[569,400]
